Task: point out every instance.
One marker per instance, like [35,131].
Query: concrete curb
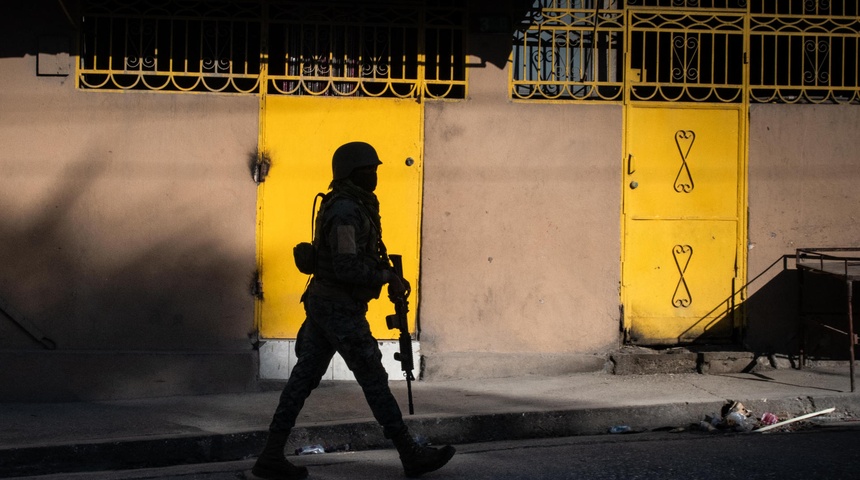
[118,454]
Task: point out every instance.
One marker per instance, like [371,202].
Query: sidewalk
[51,438]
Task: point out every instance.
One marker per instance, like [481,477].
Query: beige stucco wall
[128,219]
[803,177]
[127,224]
[521,243]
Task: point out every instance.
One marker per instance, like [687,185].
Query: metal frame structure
[843,264]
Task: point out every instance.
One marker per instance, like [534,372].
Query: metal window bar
[691,50]
[805,57]
[444,66]
[394,50]
[569,50]
[345,56]
[173,46]
[309,48]
[691,4]
[687,55]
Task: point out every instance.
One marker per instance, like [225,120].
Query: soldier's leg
[313,356]
[314,353]
[348,329]
[361,352]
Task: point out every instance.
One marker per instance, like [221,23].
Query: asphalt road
[831,452]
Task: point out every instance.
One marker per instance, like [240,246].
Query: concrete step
[645,361]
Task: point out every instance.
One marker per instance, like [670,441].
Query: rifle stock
[399,321]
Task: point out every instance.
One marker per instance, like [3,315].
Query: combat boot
[273,465]
[418,460]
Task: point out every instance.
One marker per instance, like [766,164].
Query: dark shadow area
[161,316]
[27,21]
[178,293]
[772,318]
[784,317]
[760,377]
[492,25]
[493,20]
[716,328]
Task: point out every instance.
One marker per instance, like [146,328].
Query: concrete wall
[127,224]
[521,243]
[803,175]
[127,227]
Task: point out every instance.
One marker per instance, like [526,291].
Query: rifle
[398,321]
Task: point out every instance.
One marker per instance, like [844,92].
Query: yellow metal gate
[301,133]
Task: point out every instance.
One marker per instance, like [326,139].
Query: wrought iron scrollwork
[684,139]
[400,49]
[817,58]
[686,50]
[682,298]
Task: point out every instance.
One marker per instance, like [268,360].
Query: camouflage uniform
[349,269]
[348,275]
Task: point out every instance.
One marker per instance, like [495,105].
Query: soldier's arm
[351,264]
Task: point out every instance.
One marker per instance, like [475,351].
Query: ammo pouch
[305,255]
[365,294]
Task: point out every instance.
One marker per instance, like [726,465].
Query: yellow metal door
[682,253]
[300,135]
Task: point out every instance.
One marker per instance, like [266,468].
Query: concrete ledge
[716,363]
[278,357]
[642,361]
[77,375]
[364,435]
[653,363]
[467,365]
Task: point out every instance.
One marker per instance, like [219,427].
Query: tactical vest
[367,239]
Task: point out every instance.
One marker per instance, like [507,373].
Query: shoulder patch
[346,240]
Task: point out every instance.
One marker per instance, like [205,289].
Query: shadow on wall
[774,321]
[56,24]
[179,289]
[34,27]
[774,324]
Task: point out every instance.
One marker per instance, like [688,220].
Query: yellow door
[300,135]
[683,224]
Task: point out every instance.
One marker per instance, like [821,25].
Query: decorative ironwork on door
[684,180]
[682,298]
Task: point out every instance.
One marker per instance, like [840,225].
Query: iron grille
[805,52]
[721,51]
[388,49]
[569,50]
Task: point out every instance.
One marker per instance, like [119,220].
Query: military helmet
[350,156]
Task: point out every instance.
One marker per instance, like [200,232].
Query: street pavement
[45,438]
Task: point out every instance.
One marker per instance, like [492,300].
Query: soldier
[351,268]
